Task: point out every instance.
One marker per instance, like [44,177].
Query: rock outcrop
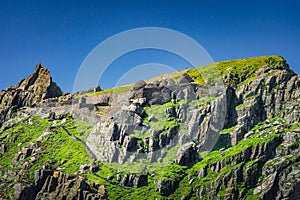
[28,92]
[262,168]
[187,154]
[56,185]
[152,134]
[133,180]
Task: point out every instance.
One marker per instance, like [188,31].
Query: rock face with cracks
[230,134]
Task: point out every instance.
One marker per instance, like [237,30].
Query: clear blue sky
[60,34]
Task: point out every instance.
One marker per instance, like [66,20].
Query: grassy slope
[55,147]
[242,69]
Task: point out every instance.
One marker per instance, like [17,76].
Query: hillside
[229,130]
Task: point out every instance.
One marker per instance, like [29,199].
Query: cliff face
[176,136]
[157,116]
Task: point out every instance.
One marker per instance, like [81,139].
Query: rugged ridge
[231,134]
[29,91]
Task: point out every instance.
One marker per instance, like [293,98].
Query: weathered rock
[3,148]
[188,154]
[140,84]
[166,187]
[26,151]
[202,172]
[184,79]
[34,89]
[130,143]
[52,116]
[57,185]
[134,180]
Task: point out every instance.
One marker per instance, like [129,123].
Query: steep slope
[198,133]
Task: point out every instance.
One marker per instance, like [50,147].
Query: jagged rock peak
[31,90]
[40,81]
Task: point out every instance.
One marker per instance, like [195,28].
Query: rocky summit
[228,130]
[29,91]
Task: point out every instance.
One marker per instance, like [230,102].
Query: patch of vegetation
[162,120]
[274,61]
[21,136]
[248,80]
[171,155]
[171,172]
[77,128]
[209,72]
[251,196]
[60,146]
[202,101]
[114,189]
[295,126]
[227,130]
[110,90]
[240,71]
[219,145]
[144,166]
[252,97]
[249,163]
[147,192]
[57,147]
[244,105]
[140,134]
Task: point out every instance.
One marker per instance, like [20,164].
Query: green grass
[110,90]
[203,74]
[247,104]
[139,134]
[56,146]
[151,167]
[202,102]
[60,146]
[227,130]
[295,126]
[251,196]
[147,192]
[241,71]
[171,155]
[163,121]
[249,80]
[252,97]
[77,127]
[249,163]
[114,189]
[171,172]
[25,133]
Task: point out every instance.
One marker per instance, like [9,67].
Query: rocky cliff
[29,91]
[197,133]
